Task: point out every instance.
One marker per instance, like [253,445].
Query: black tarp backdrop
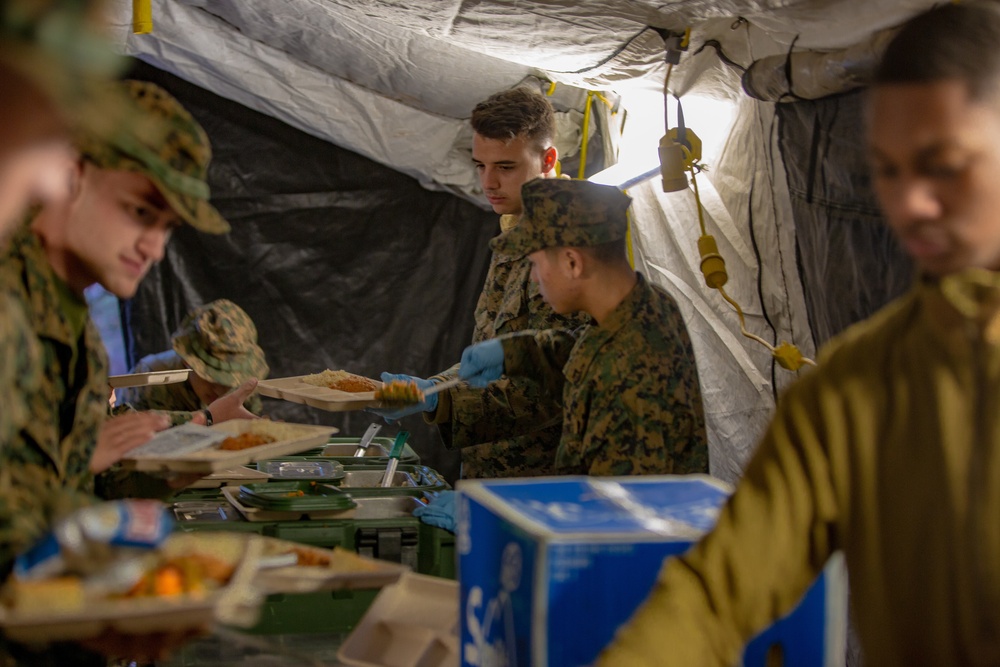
[850,263]
[341,262]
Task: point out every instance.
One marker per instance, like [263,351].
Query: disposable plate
[295,390]
[237,603]
[195,449]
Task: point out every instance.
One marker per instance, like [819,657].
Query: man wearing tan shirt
[890,450]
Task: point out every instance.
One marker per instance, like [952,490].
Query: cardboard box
[550,567]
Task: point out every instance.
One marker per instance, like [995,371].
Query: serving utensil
[397,450]
[441,386]
[367,438]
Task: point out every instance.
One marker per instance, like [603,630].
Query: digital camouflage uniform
[478,420]
[631,399]
[55,46]
[630,393]
[20,373]
[45,465]
[218,341]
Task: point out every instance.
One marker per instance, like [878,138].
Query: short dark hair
[950,42]
[513,113]
[612,252]
[609,254]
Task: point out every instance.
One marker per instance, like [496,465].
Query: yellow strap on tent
[581,172]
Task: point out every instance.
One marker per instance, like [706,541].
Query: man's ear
[573,261]
[549,158]
[75,176]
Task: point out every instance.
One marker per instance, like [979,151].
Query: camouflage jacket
[44,465]
[20,373]
[178,399]
[631,399]
[478,420]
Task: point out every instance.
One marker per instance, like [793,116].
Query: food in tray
[181,568]
[193,574]
[341,381]
[261,432]
[244,441]
[401,392]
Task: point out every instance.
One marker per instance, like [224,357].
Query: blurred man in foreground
[126,195]
[53,68]
[45,86]
[890,450]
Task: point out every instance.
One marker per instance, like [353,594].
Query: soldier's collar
[628,308]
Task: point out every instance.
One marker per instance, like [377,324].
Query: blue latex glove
[482,363]
[391,415]
[440,511]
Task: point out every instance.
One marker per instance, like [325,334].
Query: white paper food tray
[293,389]
[295,438]
[144,379]
[237,603]
[412,623]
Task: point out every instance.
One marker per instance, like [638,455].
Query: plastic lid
[311,470]
[291,496]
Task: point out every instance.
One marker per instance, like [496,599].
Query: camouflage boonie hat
[56,46]
[563,212]
[170,148]
[219,342]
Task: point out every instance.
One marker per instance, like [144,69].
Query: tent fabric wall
[394,82]
[374,106]
[341,262]
[738,377]
[850,263]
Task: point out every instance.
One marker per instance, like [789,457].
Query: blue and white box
[550,567]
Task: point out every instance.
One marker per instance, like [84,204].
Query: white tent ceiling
[395,81]
[389,79]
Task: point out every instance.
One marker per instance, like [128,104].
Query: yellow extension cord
[713,267]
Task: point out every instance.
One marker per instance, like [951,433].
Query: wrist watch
[208,417]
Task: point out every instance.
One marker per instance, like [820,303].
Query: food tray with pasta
[331,390]
[190,582]
[199,449]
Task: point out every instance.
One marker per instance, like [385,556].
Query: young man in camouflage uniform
[43,84]
[47,85]
[629,385]
[127,193]
[218,342]
[511,144]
